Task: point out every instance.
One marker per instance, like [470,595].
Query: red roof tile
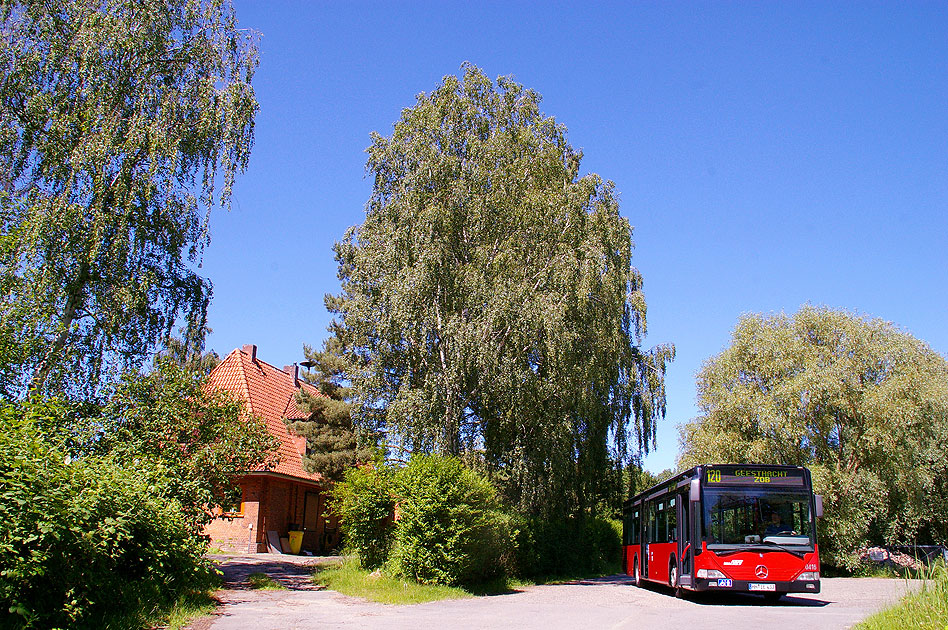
[270,394]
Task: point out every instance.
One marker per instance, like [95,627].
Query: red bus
[734,527]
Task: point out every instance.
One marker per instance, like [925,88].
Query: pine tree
[332,445]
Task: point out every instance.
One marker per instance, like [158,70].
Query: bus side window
[672,521]
[661,522]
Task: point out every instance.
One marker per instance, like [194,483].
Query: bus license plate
[762,587]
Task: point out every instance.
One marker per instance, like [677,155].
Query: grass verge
[189,608]
[350,579]
[925,610]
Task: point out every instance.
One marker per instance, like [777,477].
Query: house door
[312,509]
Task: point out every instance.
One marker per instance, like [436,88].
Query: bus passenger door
[648,532]
[685,550]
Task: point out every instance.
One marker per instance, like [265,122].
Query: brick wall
[268,504]
[233,533]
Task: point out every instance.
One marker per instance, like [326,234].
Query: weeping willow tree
[861,402]
[489,307]
[121,125]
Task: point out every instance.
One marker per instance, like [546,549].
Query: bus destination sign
[754,475]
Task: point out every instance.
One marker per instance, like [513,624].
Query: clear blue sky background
[767,154]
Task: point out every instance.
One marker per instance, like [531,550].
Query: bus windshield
[756,516]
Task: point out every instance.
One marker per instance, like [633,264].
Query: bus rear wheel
[636,574]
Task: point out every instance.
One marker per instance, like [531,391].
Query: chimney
[251,349]
[294,371]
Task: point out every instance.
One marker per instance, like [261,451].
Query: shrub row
[569,547]
[437,522]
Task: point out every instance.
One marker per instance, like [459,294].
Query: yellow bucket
[296,541]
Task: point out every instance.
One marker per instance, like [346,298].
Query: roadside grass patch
[263,582]
[499,586]
[925,610]
[189,608]
[198,602]
[349,578]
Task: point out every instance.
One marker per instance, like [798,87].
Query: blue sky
[767,154]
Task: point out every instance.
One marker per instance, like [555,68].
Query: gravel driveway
[611,602]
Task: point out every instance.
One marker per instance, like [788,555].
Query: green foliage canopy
[189,354]
[433,521]
[121,124]
[862,403]
[488,300]
[365,503]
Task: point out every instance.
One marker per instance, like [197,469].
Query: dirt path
[292,572]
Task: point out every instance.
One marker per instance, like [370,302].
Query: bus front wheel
[673,579]
[636,573]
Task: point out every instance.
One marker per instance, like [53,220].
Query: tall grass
[186,609]
[925,610]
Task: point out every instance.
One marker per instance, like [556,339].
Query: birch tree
[489,307]
[122,123]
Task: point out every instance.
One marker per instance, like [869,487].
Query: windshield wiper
[760,547]
[797,553]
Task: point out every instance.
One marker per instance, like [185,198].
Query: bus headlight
[809,576]
[704,574]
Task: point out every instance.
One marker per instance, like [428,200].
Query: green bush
[449,527]
[89,542]
[365,503]
[568,547]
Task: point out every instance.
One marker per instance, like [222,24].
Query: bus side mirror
[694,492]
[818,499]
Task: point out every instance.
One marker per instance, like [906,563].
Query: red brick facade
[285,495]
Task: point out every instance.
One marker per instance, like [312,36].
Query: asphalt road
[611,602]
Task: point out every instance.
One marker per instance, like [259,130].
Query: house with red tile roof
[284,496]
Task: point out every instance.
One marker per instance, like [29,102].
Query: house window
[239,514]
